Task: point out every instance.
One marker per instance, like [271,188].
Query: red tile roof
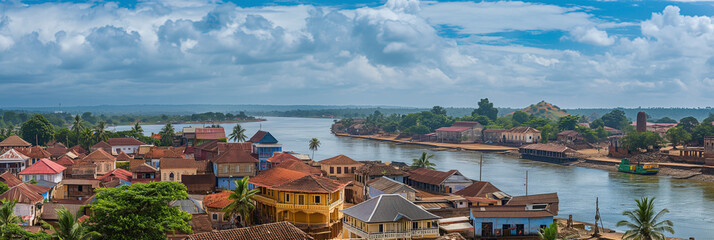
[298,165]
[339,160]
[429,176]
[466,124]
[235,155]
[452,129]
[523,130]
[210,133]
[245,146]
[57,151]
[548,147]
[162,152]
[14,141]
[123,157]
[270,231]
[22,194]
[99,155]
[43,166]
[570,133]
[293,181]
[9,179]
[79,149]
[13,154]
[118,173]
[144,168]
[102,144]
[257,136]
[217,200]
[35,152]
[124,142]
[281,157]
[478,189]
[65,161]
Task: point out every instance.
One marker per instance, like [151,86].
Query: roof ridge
[375,208]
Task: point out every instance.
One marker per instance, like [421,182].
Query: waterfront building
[312,203]
[522,216]
[386,185]
[569,137]
[45,170]
[128,145]
[709,146]
[547,153]
[231,165]
[437,181]
[389,216]
[521,135]
[172,169]
[265,145]
[460,131]
[340,166]
[493,135]
[14,141]
[13,161]
[483,193]
[269,231]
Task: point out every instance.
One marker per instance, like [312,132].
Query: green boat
[643,169]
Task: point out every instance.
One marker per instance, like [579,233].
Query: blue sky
[396,52]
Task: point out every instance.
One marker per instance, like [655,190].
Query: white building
[43,169]
[127,145]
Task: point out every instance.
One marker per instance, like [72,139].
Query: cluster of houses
[299,198]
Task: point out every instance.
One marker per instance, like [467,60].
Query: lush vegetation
[241,202]
[423,161]
[314,145]
[644,223]
[139,211]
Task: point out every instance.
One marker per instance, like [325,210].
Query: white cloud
[592,36]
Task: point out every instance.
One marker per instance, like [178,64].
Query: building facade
[389,216]
[232,165]
[521,135]
[265,145]
[340,166]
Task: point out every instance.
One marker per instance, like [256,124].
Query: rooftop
[263,137]
[217,200]
[339,160]
[388,185]
[235,155]
[99,155]
[43,166]
[523,129]
[388,208]
[124,142]
[478,189]
[430,176]
[298,165]
[294,181]
[210,133]
[168,163]
[14,141]
[269,231]
[281,157]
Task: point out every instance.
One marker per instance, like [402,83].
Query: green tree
[139,211]
[68,228]
[167,135]
[677,135]
[702,130]
[346,123]
[314,145]
[241,201]
[709,119]
[438,110]
[3,187]
[32,181]
[390,127]
[9,228]
[643,223]
[597,123]
[520,117]
[137,128]
[615,119]
[634,141]
[238,134]
[77,126]
[549,233]
[485,108]
[100,131]
[688,123]
[666,120]
[418,129]
[37,130]
[567,122]
[546,133]
[538,122]
[423,161]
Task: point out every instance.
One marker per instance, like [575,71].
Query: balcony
[264,200]
[399,234]
[271,202]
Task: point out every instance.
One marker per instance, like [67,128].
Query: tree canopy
[37,130]
[615,119]
[486,108]
[139,211]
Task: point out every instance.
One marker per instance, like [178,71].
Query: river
[691,203]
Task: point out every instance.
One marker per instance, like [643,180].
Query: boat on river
[642,169]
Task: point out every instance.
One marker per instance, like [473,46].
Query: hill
[545,110]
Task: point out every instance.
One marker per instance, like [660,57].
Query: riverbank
[587,158]
[584,231]
[200,122]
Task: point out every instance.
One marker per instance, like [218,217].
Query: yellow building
[340,166]
[172,169]
[312,203]
[389,216]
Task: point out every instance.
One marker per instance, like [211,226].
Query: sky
[572,53]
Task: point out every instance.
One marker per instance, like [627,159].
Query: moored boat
[643,169]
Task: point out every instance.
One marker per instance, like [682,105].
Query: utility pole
[480,168]
[526,182]
[597,217]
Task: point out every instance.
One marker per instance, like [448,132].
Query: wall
[342,173]
[55,178]
[178,172]
[234,169]
[126,149]
[531,225]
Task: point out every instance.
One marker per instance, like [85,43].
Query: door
[301,199]
[487,229]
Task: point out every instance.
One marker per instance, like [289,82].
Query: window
[415,225]
[238,168]
[215,216]
[381,228]
[317,199]
[332,170]
[428,224]
[339,170]
[347,170]
[225,168]
[301,199]
[287,197]
[353,169]
[79,188]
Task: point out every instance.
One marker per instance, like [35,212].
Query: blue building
[265,145]
[521,216]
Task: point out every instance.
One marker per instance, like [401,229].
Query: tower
[641,122]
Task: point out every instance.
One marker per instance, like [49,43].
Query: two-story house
[437,181]
[45,170]
[521,135]
[522,217]
[340,166]
[312,203]
[389,216]
[232,165]
[14,141]
[126,145]
[13,161]
[28,204]
[265,145]
[173,168]
[102,160]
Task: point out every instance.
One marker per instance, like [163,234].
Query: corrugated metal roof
[388,208]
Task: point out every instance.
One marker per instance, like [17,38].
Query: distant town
[74,178]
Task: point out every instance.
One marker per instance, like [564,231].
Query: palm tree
[69,229]
[167,135]
[242,202]
[77,125]
[100,131]
[549,233]
[644,224]
[314,145]
[8,218]
[423,161]
[137,128]
[238,134]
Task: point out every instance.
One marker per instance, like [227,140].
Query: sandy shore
[444,146]
[579,232]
